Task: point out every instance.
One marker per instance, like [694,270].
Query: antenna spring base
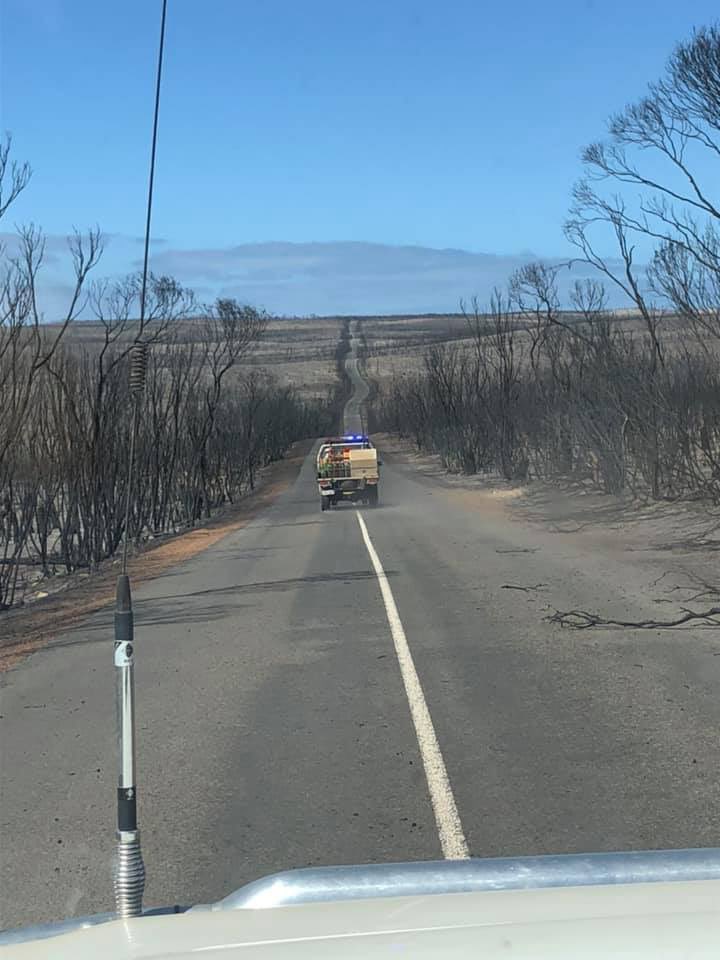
[129,879]
[138,369]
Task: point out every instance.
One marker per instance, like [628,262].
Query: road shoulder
[28,629]
[663,555]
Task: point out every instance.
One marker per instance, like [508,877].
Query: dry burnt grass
[397,344]
[299,351]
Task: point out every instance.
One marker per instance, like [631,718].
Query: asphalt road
[354,409]
[275,726]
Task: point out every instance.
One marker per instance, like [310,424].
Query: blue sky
[440,125]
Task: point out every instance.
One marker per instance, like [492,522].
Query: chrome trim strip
[425,878]
[325,884]
[43,931]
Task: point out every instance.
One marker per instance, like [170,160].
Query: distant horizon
[319,278]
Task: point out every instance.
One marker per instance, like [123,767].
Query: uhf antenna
[129,867]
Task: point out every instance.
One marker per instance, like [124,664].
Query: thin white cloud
[312,278]
[154,241]
[348,277]
[55,252]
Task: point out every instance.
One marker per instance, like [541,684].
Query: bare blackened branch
[582,620]
[14,177]
[677,120]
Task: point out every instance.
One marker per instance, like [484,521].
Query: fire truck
[347,470]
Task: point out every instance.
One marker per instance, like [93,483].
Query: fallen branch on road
[582,620]
[518,550]
[517,586]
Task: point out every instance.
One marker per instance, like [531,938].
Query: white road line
[452,839]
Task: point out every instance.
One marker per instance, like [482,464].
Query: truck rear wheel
[372,496]
[323,503]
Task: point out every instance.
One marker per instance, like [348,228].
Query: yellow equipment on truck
[347,469]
